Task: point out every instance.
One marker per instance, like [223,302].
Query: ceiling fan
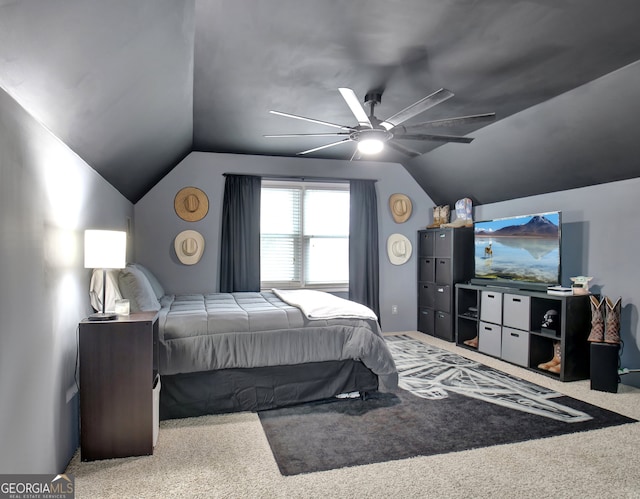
[371,134]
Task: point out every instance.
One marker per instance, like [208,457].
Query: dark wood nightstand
[118,384]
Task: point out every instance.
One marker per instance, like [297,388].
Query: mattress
[205,332]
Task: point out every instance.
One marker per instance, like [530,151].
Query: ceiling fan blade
[335,134]
[438,138]
[416,108]
[295,116]
[460,120]
[402,149]
[358,111]
[323,147]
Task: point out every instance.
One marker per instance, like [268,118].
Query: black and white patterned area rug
[446,403]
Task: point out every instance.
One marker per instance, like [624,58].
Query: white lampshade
[105,249]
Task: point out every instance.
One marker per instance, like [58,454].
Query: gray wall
[600,236]
[48,196]
[601,239]
[156,223]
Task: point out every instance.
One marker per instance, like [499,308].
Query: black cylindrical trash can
[604,367]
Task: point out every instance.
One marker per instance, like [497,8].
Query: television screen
[522,249]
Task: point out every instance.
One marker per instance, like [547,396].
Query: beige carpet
[228,457]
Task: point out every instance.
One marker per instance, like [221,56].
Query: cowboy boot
[597,320]
[444,214]
[436,218]
[612,329]
[558,365]
[555,361]
[473,342]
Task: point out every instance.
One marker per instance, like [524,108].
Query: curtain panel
[363,245]
[240,243]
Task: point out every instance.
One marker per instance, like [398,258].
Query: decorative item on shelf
[191,204]
[104,249]
[399,249]
[464,216]
[436,218]
[189,246]
[580,285]
[401,207]
[550,321]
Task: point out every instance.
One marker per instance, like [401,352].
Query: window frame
[304,185]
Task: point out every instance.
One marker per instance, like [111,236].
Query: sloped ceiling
[132,86]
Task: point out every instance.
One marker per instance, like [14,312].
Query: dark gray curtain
[363,245]
[240,243]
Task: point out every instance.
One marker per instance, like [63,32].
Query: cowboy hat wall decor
[399,249]
[401,207]
[191,204]
[189,246]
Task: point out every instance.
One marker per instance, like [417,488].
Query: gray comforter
[231,330]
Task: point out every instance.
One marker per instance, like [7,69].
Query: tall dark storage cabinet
[445,258]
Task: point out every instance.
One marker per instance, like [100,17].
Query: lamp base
[102,316]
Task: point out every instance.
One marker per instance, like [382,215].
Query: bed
[228,352]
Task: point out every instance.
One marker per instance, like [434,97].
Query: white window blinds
[304,235]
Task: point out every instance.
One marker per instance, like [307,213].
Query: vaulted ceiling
[132,86]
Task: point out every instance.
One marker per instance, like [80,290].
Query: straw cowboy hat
[189,246]
[400,206]
[398,249]
[191,204]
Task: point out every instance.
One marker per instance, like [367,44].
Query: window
[304,235]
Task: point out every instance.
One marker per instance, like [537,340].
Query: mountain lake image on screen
[523,249]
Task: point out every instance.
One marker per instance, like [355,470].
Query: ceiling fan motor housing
[363,133]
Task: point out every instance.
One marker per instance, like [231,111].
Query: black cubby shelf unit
[507,323]
[445,257]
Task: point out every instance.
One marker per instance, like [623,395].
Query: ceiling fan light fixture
[370,146]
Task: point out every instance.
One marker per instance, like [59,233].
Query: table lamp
[104,249]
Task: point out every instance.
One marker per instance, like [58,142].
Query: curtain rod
[300,178]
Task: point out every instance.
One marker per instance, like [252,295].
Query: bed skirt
[260,388]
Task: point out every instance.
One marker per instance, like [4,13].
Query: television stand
[508,324]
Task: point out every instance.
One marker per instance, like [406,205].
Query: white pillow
[135,287]
[112,291]
[155,284]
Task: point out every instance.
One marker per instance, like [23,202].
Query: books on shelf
[559,291]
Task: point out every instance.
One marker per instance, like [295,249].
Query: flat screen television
[521,251]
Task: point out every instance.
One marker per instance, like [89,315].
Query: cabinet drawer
[490,339]
[516,311]
[427,269]
[426,297]
[491,307]
[442,300]
[443,243]
[443,325]
[426,321]
[515,346]
[443,271]
[425,243]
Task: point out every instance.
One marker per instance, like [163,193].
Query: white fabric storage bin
[515,346]
[515,311]
[491,307]
[490,339]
